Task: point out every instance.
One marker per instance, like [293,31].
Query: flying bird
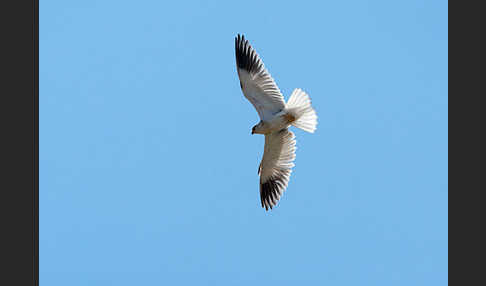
[276,117]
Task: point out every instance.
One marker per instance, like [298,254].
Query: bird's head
[258,129]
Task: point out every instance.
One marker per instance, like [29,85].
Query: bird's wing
[276,166]
[256,82]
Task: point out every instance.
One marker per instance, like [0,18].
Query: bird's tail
[299,105]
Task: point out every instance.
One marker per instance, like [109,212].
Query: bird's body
[279,121]
[276,117]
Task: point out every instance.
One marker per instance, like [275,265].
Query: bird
[276,116]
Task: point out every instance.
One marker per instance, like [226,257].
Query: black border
[466,153]
[19,152]
[35,121]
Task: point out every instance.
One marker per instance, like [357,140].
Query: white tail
[299,105]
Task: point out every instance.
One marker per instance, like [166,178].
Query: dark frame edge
[35,34]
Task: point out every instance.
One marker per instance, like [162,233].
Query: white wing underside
[257,84]
[276,166]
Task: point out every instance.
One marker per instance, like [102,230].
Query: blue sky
[148,171]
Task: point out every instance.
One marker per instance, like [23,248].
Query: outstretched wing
[276,166]
[256,82]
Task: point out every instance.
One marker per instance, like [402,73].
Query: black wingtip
[270,190]
[246,57]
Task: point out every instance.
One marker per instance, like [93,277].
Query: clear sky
[148,170]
